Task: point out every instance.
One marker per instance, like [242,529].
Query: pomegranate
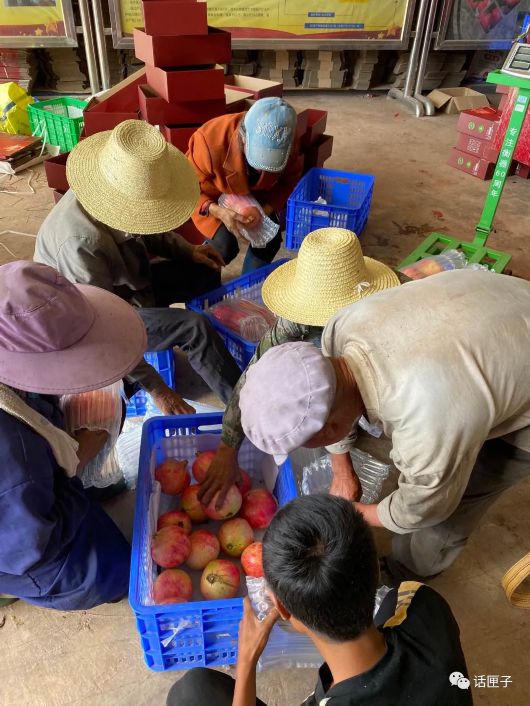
[245,484]
[176,518]
[234,535]
[192,506]
[258,508]
[173,476]
[229,508]
[252,560]
[220,579]
[202,464]
[172,586]
[170,547]
[204,548]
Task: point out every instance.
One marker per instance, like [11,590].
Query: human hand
[253,215]
[253,634]
[170,402]
[90,441]
[222,474]
[231,219]
[345,482]
[207,255]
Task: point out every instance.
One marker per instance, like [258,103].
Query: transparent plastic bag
[98,409]
[448,260]
[264,230]
[287,648]
[248,319]
[316,476]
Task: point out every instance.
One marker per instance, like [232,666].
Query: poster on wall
[475,24]
[37,23]
[291,23]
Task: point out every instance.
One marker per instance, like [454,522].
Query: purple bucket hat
[58,338]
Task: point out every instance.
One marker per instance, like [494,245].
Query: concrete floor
[93,657]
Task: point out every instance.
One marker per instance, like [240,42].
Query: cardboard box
[477,147]
[57,195]
[184,50]
[470,164]
[109,108]
[319,153]
[187,85]
[301,124]
[179,136]
[521,170]
[236,100]
[259,87]
[316,125]
[482,123]
[55,169]
[170,18]
[157,111]
[455,100]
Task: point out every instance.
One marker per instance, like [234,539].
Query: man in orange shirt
[245,153]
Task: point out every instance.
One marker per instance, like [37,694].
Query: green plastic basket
[58,121]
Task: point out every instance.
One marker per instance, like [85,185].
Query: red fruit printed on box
[170,18]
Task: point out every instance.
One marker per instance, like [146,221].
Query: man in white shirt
[442,365]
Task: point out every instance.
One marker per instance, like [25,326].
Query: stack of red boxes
[185,82]
[475,151]
[521,154]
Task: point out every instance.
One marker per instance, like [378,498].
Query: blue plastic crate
[164,363]
[200,633]
[241,287]
[348,198]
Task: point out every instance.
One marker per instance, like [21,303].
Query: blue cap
[269,134]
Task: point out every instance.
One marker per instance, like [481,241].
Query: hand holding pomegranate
[253,635]
[222,473]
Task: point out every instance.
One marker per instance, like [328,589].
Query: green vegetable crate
[58,121]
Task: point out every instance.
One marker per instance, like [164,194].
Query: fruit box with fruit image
[199,632]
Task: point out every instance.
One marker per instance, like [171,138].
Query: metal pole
[89,47]
[99,29]
[405,96]
[428,105]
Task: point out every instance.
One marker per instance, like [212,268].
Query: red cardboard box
[259,87]
[480,122]
[471,165]
[183,50]
[57,195]
[316,125]
[521,170]
[114,106]
[187,85]
[301,124]
[170,18]
[179,136]
[157,111]
[477,147]
[321,151]
[55,169]
[522,150]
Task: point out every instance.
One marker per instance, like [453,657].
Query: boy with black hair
[320,561]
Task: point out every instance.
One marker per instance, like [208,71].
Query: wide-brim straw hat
[132,180]
[329,273]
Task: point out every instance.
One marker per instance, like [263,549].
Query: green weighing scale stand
[515,73]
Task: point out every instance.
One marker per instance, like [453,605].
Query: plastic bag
[449,260]
[14,103]
[243,316]
[287,648]
[316,476]
[99,409]
[261,233]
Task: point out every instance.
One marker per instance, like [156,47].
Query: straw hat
[329,273]
[131,179]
